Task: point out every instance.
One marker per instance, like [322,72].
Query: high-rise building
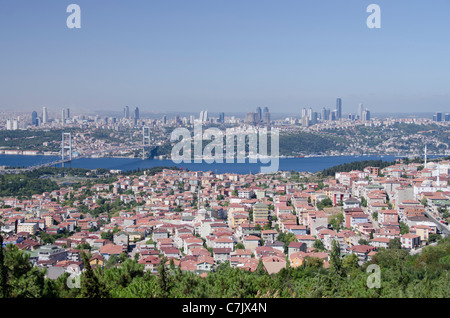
[15,124]
[34,117]
[447,117]
[63,116]
[44,115]
[360,111]
[305,121]
[266,109]
[314,118]
[325,113]
[136,113]
[366,115]
[222,118]
[439,116]
[310,114]
[126,112]
[333,115]
[164,119]
[338,108]
[259,113]
[68,113]
[203,116]
[266,117]
[304,112]
[251,118]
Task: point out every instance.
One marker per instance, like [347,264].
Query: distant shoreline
[32,153]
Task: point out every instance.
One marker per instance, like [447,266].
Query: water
[311,164]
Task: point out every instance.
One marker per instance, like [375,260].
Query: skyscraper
[126,112]
[63,116]
[323,115]
[34,117]
[44,115]
[366,115]
[360,111]
[303,112]
[203,116]
[310,114]
[438,116]
[333,115]
[259,114]
[314,118]
[338,108]
[251,118]
[222,118]
[136,113]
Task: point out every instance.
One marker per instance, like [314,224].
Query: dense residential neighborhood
[196,221]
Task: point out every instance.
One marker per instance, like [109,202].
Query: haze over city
[224,56]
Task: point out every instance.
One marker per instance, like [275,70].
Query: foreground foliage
[402,275]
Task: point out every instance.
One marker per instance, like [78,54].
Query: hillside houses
[202,219]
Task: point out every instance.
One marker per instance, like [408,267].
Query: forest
[356,165]
[402,275]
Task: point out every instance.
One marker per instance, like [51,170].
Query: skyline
[225,56]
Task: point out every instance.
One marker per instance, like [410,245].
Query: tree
[90,285]
[350,262]
[424,202]
[375,215]
[312,262]
[239,246]
[4,293]
[22,279]
[335,257]
[112,261]
[163,279]
[318,244]
[107,236]
[433,237]
[395,243]
[363,242]
[123,257]
[260,270]
[404,229]
[363,202]
[324,203]
[337,221]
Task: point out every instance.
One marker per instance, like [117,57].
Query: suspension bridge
[67,152]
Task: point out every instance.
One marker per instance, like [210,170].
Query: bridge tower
[145,140]
[66,145]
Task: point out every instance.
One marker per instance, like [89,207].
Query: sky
[225,55]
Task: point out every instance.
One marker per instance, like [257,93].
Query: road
[442,227]
[419,250]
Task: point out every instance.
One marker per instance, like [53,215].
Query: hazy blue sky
[225,55]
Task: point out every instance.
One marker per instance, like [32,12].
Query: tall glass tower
[338,108]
